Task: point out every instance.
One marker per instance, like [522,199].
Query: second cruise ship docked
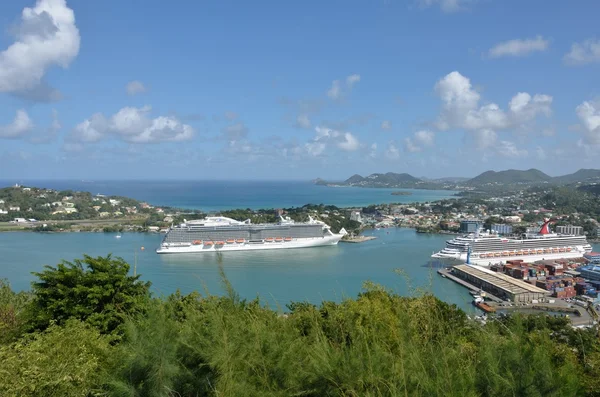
[218,233]
[484,248]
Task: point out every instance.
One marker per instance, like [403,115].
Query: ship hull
[247,246]
[503,259]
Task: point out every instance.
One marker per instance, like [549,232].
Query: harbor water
[277,277]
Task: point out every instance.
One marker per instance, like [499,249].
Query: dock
[357,239]
[448,274]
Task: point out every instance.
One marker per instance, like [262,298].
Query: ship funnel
[545,227]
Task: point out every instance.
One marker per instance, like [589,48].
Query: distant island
[488,180]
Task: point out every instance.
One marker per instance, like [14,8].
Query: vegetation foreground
[88,328]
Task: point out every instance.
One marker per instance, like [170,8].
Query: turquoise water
[278,277]
[223,195]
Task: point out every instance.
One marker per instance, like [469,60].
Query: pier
[357,239]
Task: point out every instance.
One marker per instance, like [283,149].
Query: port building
[470,225]
[501,228]
[499,285]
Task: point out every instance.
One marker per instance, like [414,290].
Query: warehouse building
[500,285]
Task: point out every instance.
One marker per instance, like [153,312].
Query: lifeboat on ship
[547,251]
[240,241]
[197,242]
[519,253]
[220,243]
[505,253]
[279,239]
[497,254]
[288,239]
[555,250]
[562,249]
[208,243]
[512,253]
[230,241]
[569,249]
[269,239]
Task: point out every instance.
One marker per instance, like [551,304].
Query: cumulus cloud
[519,47]
[132,125]
[386,125]
[510,149]
[20,126]
[302,121]
[46,36]
[392,152]
[229,115]
[446,5]
[325,137]
[410,147]
[338,91]
[589,115]
[461,109]
[587,51]
[135,87]
[418,141]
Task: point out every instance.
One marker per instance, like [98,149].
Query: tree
[98,291]
[68,360]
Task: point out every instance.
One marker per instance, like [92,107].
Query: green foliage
[68,360]
[98,291]
[379,344]
[13,312]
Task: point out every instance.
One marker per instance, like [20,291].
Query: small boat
[118,236]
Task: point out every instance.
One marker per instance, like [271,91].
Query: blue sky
[297,90]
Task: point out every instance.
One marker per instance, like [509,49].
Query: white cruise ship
[218,233]
[484,248]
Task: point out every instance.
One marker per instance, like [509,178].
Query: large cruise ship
[218,233]
[485,248]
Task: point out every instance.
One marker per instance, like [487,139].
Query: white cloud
[392,152]
[352,79]
[386,125]
[461,109]
[348,143]
[424,137]
[410,147]
[509,149]
[20,126]
[484,138]
[327,136]
[132,125]
[587,51]
[46,36]
[135,87]
[519,47]
[373,151]
[337,91]
[302,121]
[420,139]
[589,115]
[446,5]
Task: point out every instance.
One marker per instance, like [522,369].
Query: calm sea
[222,195]
[278,277]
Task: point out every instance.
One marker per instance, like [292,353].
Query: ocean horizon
[219,195]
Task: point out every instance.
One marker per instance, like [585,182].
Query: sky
[296,89]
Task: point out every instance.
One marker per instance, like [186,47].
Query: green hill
[582,175]
[509,177]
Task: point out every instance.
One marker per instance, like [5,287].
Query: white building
[3,212]
[14,208]
[356,216]
[20,220]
